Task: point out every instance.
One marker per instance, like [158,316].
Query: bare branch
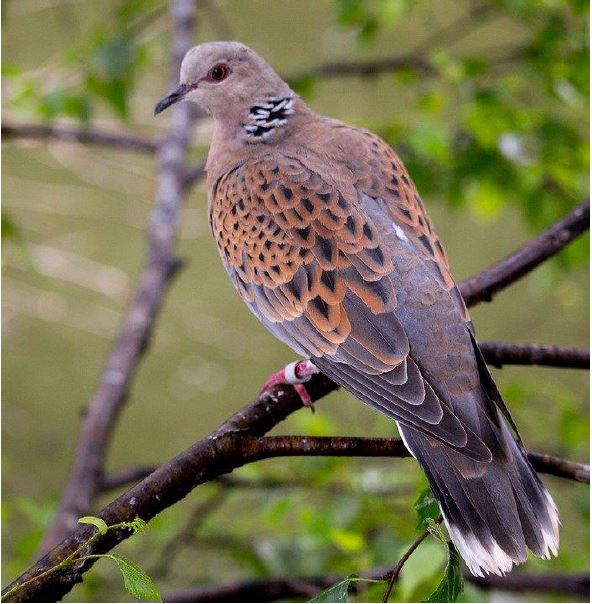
[495,353]
[375,67]
[125,477]
[235,443]
[138,323]
[572,584]
[485,285]
[91,136]
[502,353]
[557,466]
[350,446]
[192,175]
[230,446]
[171,548]
[281,588]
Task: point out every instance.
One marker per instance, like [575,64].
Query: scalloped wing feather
[314,265]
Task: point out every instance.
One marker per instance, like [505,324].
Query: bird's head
[225,79]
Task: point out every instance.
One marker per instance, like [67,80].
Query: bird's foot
[295,374]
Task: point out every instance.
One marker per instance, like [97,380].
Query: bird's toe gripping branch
[295,374]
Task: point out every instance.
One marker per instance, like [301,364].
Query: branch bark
[139,320]
[485,285]
[502,353]
[91,136]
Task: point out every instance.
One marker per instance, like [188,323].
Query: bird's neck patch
[265,116]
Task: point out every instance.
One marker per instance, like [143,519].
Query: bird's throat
[265,116]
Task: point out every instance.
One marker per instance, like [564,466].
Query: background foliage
[488,107]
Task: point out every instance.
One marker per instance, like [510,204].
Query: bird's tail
[493,516]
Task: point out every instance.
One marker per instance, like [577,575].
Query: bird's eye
[219,72]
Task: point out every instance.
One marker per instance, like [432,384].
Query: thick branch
[485,285]
[549,464]
[237,442]
[272,590]
[139,321]
[70,134]
[227,448]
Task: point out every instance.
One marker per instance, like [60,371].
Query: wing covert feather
[315,266]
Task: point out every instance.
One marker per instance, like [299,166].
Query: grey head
[236,86]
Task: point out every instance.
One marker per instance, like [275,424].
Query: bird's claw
[295,374]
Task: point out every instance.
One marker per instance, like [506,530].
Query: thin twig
[375,67]
[217,20]
[171,548]
[124,477]
[70,134]
[393,575]
[139,321]
[454,31]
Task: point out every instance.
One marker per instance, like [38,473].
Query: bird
[326,239]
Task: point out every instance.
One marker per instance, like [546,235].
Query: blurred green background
[496,137]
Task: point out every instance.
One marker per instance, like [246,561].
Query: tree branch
[281,588]
[91,136]
[495,353]
[235,443]
[485,285]
[502,353]
[375,67]
[138,323]
[557,466]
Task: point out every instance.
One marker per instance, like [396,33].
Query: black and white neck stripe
[267,115]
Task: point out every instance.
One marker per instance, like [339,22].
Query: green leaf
[98,522]
[451,584]
[137,525]
[337,592]
[135,580]
[427,510]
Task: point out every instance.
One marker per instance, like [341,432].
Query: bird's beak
[174,97]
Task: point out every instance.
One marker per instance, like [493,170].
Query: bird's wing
[320,267]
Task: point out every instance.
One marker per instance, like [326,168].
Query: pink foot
[294,374]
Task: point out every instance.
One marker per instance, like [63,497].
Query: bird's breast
[248,238]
